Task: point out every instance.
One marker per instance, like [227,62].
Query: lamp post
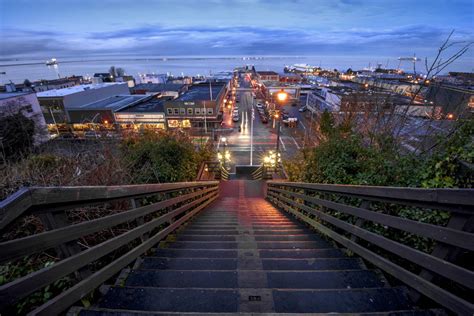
[225,155]
[282,96]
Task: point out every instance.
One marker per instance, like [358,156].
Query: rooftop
[114,103]
[159,87]
[267,73]
[75,89]
[150,105]
[8,95]
[201,92]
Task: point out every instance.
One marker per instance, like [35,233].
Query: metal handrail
[177,203]
[319,206]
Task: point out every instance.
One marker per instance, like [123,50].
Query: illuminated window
[173,123]
[186,123]
[190,111]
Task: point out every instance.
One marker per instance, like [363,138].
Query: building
[54,103]
[148,113]
[153,78]
[28,105]
[291,78]
[272,88]
[162,89]
[44,85]
[102,111]
[200,107]
[268,76]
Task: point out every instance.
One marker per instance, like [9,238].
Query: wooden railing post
[365,204]
[141,220]
[56,220]
[449,253]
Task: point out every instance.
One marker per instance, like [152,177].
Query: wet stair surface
[242,255]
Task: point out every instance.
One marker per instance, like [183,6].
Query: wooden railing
[368,221]
[153,212]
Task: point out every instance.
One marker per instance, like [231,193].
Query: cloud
[228,40]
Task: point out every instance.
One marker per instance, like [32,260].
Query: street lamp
[282,95]
[225,154]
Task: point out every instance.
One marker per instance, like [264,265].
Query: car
[91,134]
[235,112]
[235,118]
[264,119]
[68,135]
[303,109]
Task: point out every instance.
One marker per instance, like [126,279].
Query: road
[264,135]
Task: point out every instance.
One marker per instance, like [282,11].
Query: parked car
[68,135]
[303,109]
[91,134]
[235,118]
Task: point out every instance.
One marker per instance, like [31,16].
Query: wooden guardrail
[444,274]
[148,222]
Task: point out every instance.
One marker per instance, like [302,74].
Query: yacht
[51,62]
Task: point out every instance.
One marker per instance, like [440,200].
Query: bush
[161,157]
[16,134]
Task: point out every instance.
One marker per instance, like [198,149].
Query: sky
[40,28]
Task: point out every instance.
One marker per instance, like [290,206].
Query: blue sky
[39,28]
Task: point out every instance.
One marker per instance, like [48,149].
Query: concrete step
[302,237]
[183,279]
[192,253]
[160,263]
[301,253]
[95,311]
[312,264]
[313,244]
[343,279]
[198,300]
[172,300]
[341,301]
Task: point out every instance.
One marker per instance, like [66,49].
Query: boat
[51,62]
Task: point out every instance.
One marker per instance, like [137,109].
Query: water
[34,69]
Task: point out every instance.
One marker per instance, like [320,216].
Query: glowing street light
[282,95]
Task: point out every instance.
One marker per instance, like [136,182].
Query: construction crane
[413,59]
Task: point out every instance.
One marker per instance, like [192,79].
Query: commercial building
[200,107]
[102,111]
[147,113]
[162,89]
[26,104]
[54,103]
[268,76]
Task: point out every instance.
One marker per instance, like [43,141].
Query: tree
[112,71]
[349,71]
[327,124]
[16,135]
[120,72]
[27,83]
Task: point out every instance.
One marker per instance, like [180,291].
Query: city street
[264,135]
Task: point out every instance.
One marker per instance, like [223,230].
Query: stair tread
[284,300]
[163,263]
[340,279]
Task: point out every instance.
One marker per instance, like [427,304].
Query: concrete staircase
[242,255]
